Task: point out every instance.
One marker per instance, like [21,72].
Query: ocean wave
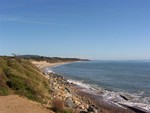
[79,83]
[120,99]
[48,70]
[117,98]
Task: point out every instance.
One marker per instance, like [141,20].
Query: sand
[16,104]
[44,64]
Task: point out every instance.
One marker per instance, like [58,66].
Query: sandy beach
[44,64]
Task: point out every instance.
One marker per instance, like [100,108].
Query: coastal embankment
[77,98]
[26,86]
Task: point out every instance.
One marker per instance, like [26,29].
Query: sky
[94,29]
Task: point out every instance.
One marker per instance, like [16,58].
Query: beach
[43,64]
[77,97]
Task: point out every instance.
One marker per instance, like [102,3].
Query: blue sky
[96,29]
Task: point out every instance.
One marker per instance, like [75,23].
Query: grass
[18,76]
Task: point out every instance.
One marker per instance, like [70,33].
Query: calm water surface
[126,76]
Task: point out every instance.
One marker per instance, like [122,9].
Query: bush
[16,83]
[58,105]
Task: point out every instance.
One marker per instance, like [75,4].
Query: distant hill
[29,56]
[49,59]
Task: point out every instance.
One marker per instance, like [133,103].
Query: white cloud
[25,20]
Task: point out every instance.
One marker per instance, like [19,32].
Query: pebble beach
[77,98]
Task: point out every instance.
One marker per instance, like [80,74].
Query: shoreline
[44,64]
[97,103]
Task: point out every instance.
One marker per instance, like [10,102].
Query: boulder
[83,112]
[69,102]
[125,98]
[92,109]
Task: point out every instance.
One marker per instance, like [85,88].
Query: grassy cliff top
[19,76]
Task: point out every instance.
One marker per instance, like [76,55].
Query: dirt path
[16,104]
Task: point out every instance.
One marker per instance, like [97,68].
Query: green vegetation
[49,59]
[18,76]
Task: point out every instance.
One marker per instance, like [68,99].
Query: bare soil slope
[16,104]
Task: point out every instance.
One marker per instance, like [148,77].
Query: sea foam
[116,98]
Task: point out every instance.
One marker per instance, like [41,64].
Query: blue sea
[128,78]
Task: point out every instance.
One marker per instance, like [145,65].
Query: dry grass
[21,77]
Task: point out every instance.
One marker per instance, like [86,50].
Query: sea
[121,82]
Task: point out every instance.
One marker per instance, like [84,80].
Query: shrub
[58,105]
[16,83]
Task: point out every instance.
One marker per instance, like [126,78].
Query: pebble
[60,89]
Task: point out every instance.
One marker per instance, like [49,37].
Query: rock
[68,90]
[68,95]
[125,98]
[69,103]
[83,112]
[81,106]
[77,102]
[91,109]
